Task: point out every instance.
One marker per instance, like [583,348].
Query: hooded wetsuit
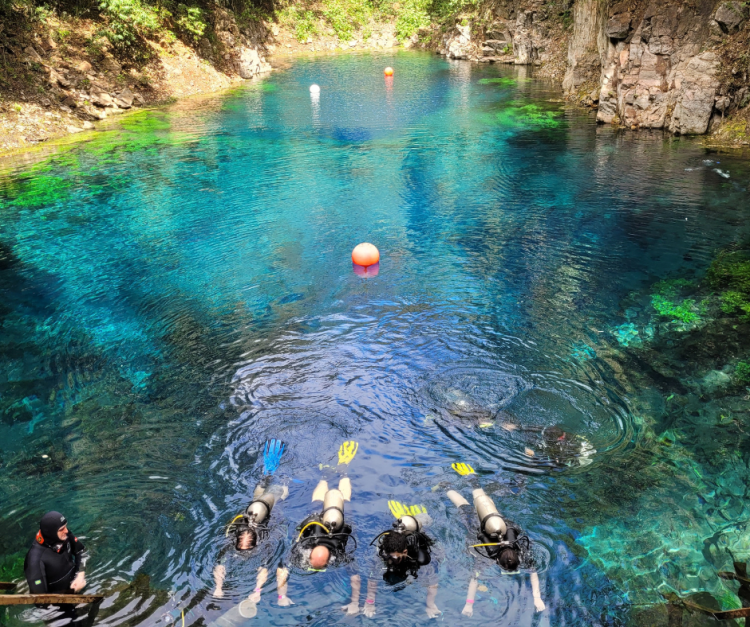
[52,564]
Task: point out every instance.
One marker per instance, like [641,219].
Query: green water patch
[528,116]
[504,81]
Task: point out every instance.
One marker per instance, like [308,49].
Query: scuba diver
[323,536]
[562,448]
[500,540]
[404,550]
[251,528]
[55,561]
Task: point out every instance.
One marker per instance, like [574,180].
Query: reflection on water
[179,290]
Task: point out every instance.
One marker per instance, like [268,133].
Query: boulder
[32,56]
[722,103]
[101,98]
[251,63]
[695,96]
[74,129]
[729,16]
[124,99]
[70,102]
[56,79]
[84,67]
[457,42]
[618,26]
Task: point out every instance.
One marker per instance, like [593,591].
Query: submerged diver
[500,540]
[405,550]
[250,528]
[323,536]
[55,561]
[561,447]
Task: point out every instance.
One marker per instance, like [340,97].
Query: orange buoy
[365,255]
[388,71]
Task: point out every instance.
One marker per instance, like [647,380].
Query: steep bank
[677,66]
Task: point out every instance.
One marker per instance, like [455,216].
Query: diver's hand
[433,611]
[79,583]
[285,601]
[369,610]
[468,609]
[539,605]
[352,609]
[509,426]
[254,597]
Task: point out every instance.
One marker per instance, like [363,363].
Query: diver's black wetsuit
[315,535]
[418,554]
[51,564]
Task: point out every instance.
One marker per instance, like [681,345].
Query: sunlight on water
[179,289]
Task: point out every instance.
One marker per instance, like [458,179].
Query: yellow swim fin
[347,451]
[397,509]
[462,469]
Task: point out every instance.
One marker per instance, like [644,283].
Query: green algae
[504,81]
[11,567]
[663,301]
[530,116]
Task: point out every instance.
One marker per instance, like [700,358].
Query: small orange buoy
[365,255]
[388,71]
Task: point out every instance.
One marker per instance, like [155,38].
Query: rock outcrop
[243,50]
[658,76]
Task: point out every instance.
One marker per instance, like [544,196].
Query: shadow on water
[178,290]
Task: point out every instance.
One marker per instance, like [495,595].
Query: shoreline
[279,60]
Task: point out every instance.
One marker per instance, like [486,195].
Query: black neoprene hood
[50,524]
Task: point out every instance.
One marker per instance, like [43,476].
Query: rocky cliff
[679,66]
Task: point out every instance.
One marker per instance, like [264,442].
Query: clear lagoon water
[179,289]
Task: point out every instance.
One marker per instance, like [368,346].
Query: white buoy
[314,89]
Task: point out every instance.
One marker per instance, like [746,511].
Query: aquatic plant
[731,270]
[504,81]
[530,116]
[663,300]
[742,372]
[682,312]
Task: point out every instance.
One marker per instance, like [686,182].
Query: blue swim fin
[272,452]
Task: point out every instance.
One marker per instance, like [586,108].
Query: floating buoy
[388,71]
[365,255]
[314,89]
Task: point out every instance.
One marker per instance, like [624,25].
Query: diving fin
[462,469]
[347,451]
[272,453]
[399,510]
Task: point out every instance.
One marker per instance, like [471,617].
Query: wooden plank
[720,614]
[5,585]
[31,599]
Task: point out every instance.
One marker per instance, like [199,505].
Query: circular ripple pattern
[179,290]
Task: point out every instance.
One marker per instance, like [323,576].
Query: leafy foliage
[127,20]
[411,16]
[742,372]
[191,20]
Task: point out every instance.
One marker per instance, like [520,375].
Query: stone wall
[647,63]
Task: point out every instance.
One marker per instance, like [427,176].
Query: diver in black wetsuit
[55,560]
[405,551]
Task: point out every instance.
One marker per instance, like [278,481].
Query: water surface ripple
[179,289]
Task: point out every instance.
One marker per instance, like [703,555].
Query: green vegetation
[663,300]
[730,273]
[742,372]
[191,20]
[529,116]
[411,16]
[127,21]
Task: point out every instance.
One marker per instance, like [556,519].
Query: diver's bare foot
[433,611]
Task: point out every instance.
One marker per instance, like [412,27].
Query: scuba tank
[333,510]
[491,522]
[259,510]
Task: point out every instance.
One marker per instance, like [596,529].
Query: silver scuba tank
[333,510]
[259,510]
[409,523]
[494,526]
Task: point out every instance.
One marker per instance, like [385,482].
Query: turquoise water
[180,289]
